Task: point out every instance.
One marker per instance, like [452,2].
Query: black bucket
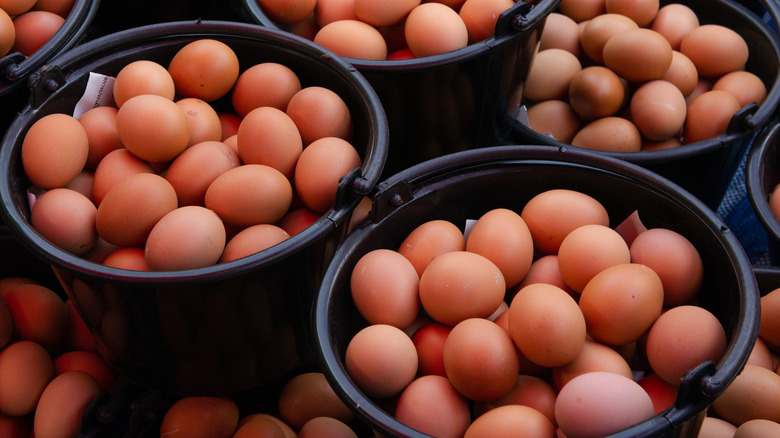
[465,185]
[704,168]
[451,102]
[762,174]
[15,67]
[231,326]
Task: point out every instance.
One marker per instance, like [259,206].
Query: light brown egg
[384,287]
[480,17]
[588,250]
[507,420]
[638,55]
[65,218]
[433,29]
[189,237]
[560,32]
[753,394]
[309,395]
[674,21]
[429,240]
[601,28]
[550,74]
[269,136]
[54,150]
[556,118]
[114,167]
[614,134]
[249,194]
[202,119]
[153,127]
[205,69]
[352,39]
[658,110]
[581,10]
[264,84]
[100,125]
[197,167]
[319,112]
[319,169]
[682,73]
[594,356]
[642,12]
[682,338]
[715,49]
[745,86]
[502,236]
[63,403]
[34,29]
[142,77]
[431,405]
[709,115]
[381,359]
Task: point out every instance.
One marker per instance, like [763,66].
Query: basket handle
[524,15]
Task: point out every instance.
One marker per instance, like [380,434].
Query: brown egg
[38,314]
[288,432]
[261,427]
[458,285]
[594,356]
[142,77]
[378,13]
[319,112]
[33,29]
[502,236]
[601,403]
[753,394]
[581,10]
[132,207]
[596,92]
[264,84]
[381,359]
[560,32]
[480,359]
[384,287]
[62,404]
[543,270]
[611,134]
[153,127]
[714,427]
[546,325]
[551,215]
[205,69]
[288,12]
[588,250]
[66,218]
[202,120]
[529,391]
[431,405]
[326,427]
[638,55]
[54,150]
[642,12]
[189,237]
[197,167]
[131,258]
[613,315]
[25,370]
[674,21]
[769,329]
[507,420]
[682,73]
[200,417]
[745,86]
[114,167]
[250,194]
[59,7]
[319,169]
[328,11]
[7,33]
[715,49]
[758,428]
[430,240]
[550,74]
[352,39]
[682,338]
[252,240]
[597,31]
[269,136]
[100,125]
[709,115]
[658,110]
[309,395]
[480,17]
[433,28]
[676,261]
[555,118]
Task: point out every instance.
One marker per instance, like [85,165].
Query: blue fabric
[737,212]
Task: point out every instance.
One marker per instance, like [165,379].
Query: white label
[99,92]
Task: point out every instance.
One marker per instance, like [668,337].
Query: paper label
[99,92]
